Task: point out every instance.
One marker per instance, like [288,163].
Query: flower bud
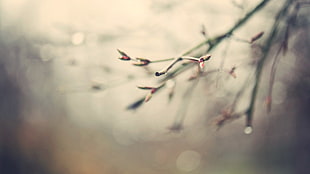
[124,56]
[257,36]
[141,62]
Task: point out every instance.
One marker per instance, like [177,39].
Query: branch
[212,44]
[262,60]
[215,41]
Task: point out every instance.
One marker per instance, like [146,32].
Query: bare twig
[212,43]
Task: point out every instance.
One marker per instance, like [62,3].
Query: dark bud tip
[204,58]
[157,74]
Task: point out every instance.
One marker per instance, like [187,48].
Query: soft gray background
[53,51]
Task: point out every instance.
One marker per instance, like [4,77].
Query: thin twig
[161,60]
[211,42]
[215,41]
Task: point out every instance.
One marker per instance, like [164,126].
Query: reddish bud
[202,65]
[124,56]
[256,37]
[205,57]
[202,60]
[141,62]
[148,97]
[154,90]
[232,72]
[268,103]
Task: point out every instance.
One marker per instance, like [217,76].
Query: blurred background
[64,92]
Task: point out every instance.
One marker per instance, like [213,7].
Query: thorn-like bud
[204,58]
[148,97]
[256,37]
[122,53]
[232,72]
[124,56]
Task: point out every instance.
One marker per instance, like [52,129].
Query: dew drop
[248,130]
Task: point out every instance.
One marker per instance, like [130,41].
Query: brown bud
[148,97]
[124,56]
[268,103]
[256,37]
[201,64]
[141,62]
[232,72]
[204,58]
[154,90]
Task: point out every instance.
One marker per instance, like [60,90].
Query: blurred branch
[266,48]
[213,42]
[180,116]
[216,40]
[200,58]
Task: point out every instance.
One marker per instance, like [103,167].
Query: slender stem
[215,41]
[162,60]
